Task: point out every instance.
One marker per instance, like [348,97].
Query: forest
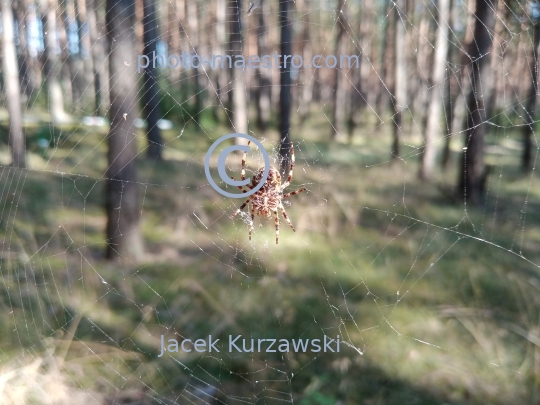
[400,212]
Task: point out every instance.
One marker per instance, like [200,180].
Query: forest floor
[439,299]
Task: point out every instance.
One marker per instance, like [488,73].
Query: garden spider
[268,199]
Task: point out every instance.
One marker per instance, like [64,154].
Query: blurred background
[417,240]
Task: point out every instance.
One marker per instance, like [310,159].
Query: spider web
[432,304]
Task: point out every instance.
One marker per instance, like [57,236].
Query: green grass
[441,299]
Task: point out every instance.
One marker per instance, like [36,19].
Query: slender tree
[151,98]
[28,69]
[400,95]
[433,127]
[51,64]
[99,65]
[338,96]
[239,102]
[285,85]
[11,84]
[122,206]
[472,174]
[263,76]
[527,161]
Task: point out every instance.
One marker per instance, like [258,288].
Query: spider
[268,199]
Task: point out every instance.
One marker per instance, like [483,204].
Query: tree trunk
[195,72]
[239,107]
[85,51]
[28,69]
[263,75]
[433,127]
[99,59]
[123,235]
[219,43]
[151,98]
[285,86]
[472,173]
[400,95]
[11,84]
[307,74]
[51,64]
[527,161]
[339,98]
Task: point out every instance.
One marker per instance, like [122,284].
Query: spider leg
[294,192]
[242,206]
[241,187]
[276,221]
[289,178]
[286,217]
[244,163]
[251,226]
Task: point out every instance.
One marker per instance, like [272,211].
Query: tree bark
[400,94]
[151,98]
[51,64]
[285,86]
[99,58]
[11,84]
[527,161]
[28,69]
[472,173]
[195,72]
[122,205]
[339,98]
[239,107]
[85,52]
[433,128]
[263,76]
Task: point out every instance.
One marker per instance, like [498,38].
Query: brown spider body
[268,199]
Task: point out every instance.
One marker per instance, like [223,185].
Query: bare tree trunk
[51,64]
[472,173]
[400,72]
[151,98]
[308,75]
[11,84]
[85,52]
[221,37]
[72,60]
[28,69]
[433,127]
[263,76]
[527,161]
[99,59]
[193,22]
[122,202]
[339,98]
[285,86]
[239,107]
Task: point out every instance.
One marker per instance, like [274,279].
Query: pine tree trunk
[99,60]
[433,128]
[527,160]
[122,202]
[239,107]
[400,94]
[285,86]
[11,84]
[338,95]
[263,76]
[28,69]
[85,51]
[472,173]
[51,64]
[151,97]
[195,72]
